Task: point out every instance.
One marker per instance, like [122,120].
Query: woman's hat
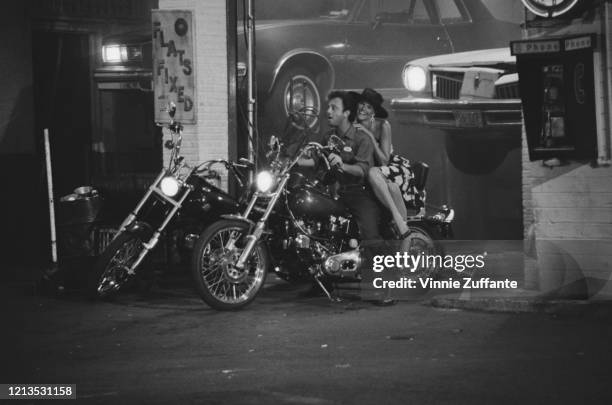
[374,98]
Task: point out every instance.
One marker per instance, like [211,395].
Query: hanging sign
[173,70]
[552,45]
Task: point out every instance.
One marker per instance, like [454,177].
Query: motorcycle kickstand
[332,299]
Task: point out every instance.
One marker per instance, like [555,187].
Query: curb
[526,304]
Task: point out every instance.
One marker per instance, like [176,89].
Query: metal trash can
[77,214]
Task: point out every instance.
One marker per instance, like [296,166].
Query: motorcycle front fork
[255,235]
[152,242]
[134,214]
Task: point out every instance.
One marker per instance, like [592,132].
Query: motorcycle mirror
[171,109]
[246,162]
[169,144]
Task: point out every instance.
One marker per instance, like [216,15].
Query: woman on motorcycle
[391,175]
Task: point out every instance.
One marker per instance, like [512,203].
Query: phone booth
[556,81]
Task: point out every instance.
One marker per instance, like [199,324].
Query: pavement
[164,346]
[503,263]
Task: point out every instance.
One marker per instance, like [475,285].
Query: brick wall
[568,224]
[208,138]
[568,216]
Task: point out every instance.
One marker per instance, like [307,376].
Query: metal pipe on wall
[250,82]
[603,149]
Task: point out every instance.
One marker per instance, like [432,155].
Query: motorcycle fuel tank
[206,194]
[309,202]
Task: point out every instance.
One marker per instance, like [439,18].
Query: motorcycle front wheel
[110,272]
[218,281]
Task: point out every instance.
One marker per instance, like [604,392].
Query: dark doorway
[61,73]
[132,142]
[61,89]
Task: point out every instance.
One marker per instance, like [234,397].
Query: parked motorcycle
[297,227]
[181,201]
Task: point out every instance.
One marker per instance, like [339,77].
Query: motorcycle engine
[317,240]
[333,229]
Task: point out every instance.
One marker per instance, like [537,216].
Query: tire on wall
[309,91]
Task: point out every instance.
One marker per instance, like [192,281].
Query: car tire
[309,95]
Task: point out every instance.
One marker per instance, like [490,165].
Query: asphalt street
[167,347]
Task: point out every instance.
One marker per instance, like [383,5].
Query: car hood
[482,57]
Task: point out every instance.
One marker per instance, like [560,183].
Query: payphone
[556,82]
[553,109]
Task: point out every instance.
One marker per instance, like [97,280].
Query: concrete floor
[168,347]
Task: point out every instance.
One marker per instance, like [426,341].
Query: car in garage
[305,49]
[473,91]
[473,97]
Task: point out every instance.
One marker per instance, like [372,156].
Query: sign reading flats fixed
[173,70]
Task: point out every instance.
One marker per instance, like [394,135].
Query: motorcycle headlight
[415,78]
[264,181]
[169,186]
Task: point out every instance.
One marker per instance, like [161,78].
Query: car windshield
[300,9]
[511,11]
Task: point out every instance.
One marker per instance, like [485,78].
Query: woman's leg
[381,189]
[396,194]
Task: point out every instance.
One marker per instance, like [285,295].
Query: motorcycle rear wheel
[218,282]
[109,274]
[422,242]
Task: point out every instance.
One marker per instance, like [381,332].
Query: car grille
[447,84]
[506,91]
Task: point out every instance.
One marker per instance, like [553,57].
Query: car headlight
[264,181]
[415,78]
[169,186]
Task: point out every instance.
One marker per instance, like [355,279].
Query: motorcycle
[296,226]
[181,201]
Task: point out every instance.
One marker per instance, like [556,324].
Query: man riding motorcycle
[352,165]
[300,229]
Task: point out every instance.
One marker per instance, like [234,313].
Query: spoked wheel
[300,93]
[111,270]
[219,282]
[421,243]
[297,89]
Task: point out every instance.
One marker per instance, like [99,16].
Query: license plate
[468,119]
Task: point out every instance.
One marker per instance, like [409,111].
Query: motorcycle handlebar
[323,150]
[205,168]
[244,164]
